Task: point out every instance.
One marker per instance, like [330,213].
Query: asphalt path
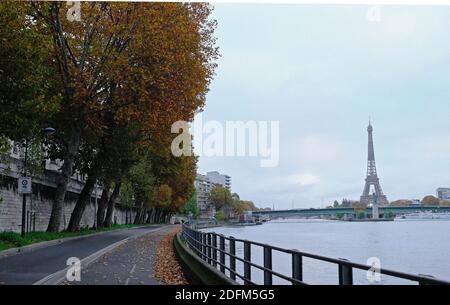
[29,267]
[130,263]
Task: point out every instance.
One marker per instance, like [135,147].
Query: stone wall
[39,204]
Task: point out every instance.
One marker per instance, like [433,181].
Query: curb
[43,244]
[200,270]
[59,276]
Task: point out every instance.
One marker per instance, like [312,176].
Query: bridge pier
[375,212]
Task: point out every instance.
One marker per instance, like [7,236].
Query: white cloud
[316,149]
[306,179]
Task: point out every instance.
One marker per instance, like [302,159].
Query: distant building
[13,163]
[203,185]
[415,202]
[246,217]
[39,203]
[217,178]
[443,193]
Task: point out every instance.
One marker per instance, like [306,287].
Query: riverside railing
[211,248]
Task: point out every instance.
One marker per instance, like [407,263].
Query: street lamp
[95,205]
[190,219]
[46,131]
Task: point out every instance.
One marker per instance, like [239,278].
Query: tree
[106,64]
[191,206]
[91,59]
[359,207]
[126,199]
[162,200]
[335,204]
[112,85]
[388,214]
[444,203]
[27,92]
[27,95]
[430,200]
[400,203]
[235,196]
[346,203]
[220,197]
[221,216]
[142,185]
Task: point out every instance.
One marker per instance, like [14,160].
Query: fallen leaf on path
[167,268]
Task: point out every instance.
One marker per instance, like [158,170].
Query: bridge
[350,211]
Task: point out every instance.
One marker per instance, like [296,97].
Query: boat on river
[424,216]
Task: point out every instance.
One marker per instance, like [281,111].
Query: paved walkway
[30,267]
[128,264]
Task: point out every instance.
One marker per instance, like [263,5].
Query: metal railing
[213,248]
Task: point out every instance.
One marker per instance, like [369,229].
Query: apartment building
[220,179]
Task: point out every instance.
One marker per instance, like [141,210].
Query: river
[411,246]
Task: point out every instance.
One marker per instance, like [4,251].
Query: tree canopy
[112,84]
[430,200]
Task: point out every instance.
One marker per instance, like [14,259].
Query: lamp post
[190,219]
[24,196]
[95,205]
[46,131]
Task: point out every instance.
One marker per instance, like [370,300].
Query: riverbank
[225,224]
[367,220]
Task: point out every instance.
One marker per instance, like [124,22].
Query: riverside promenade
[48,264]
[131,263]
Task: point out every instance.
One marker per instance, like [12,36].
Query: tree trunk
[149,216]
[103,205]
[63,180]
[144,212]
[164,220]
[137,218]
[166,217]
[152,216]
[156,217]
[111,204]
[83,199]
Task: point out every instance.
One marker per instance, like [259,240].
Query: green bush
[12,239]
[220,216]
[389,214]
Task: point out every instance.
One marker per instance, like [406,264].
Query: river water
[411,246]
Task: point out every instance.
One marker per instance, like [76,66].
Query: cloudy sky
[321,71]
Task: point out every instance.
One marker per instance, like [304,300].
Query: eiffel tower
[372,179]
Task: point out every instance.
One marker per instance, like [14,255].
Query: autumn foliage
[112,84]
